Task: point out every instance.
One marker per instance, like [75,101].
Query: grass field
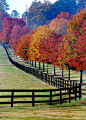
[13,78]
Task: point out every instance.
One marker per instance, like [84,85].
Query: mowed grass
[13,78]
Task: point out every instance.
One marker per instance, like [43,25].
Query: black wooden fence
[54,96]
[64,87]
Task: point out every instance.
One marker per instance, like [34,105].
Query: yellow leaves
[41,33]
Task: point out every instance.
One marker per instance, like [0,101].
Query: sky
[20,5]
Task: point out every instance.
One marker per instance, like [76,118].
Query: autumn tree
[7,27]
[2,16]
[41,33]
[59,25]
[8,24]
[23,46]
[64,15]
[16,34]
[71,51]
[49,49]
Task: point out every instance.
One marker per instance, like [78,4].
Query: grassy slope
[13,78]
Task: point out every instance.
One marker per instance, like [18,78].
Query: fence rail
[67,89]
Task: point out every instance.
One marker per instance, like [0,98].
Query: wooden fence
[70,93]
[64,87]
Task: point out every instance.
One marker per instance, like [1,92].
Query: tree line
[45,45]
[60,42]
[42,13]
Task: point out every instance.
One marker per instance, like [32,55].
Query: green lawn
[13,78]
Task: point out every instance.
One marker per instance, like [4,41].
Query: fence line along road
[66,90]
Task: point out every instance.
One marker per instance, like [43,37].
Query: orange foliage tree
[22,48]
[41,33]
[73,50]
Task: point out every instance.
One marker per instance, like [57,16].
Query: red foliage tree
[79,60]
[8,24]
[64,15]
[49,49]
[2,16]
[7,27]
[16,34]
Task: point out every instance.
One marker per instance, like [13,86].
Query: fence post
[33,98]
[70,93]
[60,97]
[79,91]
[51,80]
[65,85]
[42,76]
[12,98]
[75,91]
[50,97]
[54,80]
[58,83]
[45,78]
[73,86]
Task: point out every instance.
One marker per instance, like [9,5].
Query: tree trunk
[32,63]
[69,74]
[47,68]
[54,70]
[43,67]
[35,64]
[62,72]
[39,65]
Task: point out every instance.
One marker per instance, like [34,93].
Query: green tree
[1,9]
[81,4]
[39,14]
[15,14]
[65,6]
[4,5]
